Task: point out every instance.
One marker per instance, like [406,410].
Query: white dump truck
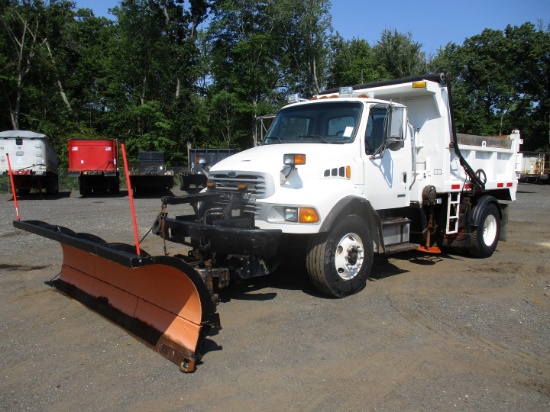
[33,161]
[374,168]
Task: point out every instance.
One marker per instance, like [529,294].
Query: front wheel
[339,262]
[485,235]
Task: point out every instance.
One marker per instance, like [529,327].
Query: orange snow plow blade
[159,299]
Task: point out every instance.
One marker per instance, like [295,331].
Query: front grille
[243,207]
[259,186]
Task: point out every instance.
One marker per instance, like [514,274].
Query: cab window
[376,129]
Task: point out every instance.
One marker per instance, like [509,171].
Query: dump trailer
[371,169]
[95,164]
[151,174]
[534,167]
[200,162]
[33,161]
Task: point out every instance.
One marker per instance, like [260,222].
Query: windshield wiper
[315,136]
[275,137]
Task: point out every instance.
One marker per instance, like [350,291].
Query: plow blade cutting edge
[159,299]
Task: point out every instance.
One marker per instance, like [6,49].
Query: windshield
[330,122]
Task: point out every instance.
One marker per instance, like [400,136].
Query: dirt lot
[430,333]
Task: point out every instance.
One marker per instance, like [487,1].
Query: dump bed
[30,153]
[151,173]
[534,167]
[200,158]
[200,162]
[94,156]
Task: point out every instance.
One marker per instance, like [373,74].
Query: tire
[485,235]
[52,186]
[113,186]
[83,188]
[339,262]
[185,184]
[22,191]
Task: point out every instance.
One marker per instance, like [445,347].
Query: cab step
[401,247]
[396,231]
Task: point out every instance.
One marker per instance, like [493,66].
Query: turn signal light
[308,215]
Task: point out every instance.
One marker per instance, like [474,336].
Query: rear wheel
[52,186]
[339,262]
[23,191]
[113,185]
[485,235]
[83,188]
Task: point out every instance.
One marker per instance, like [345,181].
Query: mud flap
[159,299]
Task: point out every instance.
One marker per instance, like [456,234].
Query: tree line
[165,73]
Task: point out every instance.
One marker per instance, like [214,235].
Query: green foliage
[399,55]
[501,82]
[352,62]
[165,74]
[302,31]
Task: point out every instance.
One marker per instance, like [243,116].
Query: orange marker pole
[13,188]
[131,197]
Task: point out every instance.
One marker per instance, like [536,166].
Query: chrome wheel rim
[489,230]
[349,256]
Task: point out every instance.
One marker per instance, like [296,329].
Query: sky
[433,23]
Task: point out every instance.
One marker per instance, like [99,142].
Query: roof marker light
[419,85]
[293,98]
[346,91]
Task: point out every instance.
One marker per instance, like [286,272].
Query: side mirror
[395,135]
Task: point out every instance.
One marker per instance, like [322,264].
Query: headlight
[291,214]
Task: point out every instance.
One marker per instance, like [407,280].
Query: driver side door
[387,157]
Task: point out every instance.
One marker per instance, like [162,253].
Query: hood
[269,158]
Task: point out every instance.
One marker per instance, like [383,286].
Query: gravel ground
[429,333]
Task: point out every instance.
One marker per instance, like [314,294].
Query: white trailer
[534,167]
[33,161]
[375,168]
